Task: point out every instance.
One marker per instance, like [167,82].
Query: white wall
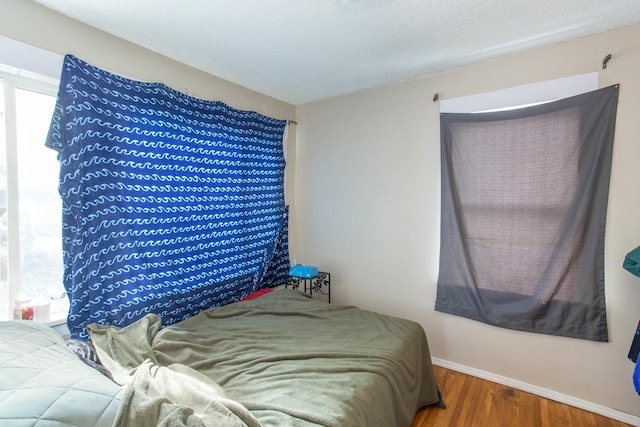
[368,209]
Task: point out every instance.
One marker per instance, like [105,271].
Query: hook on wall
[435,97]
[605,60]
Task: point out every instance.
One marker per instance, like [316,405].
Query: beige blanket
[178,396]
[288,359]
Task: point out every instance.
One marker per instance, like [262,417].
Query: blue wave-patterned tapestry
[171,204]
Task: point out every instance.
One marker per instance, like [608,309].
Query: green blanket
[288,359]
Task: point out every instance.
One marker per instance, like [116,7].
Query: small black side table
[319,284]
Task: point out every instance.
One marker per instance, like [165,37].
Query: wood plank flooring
[474,402]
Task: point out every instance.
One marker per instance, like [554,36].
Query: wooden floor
[476,402]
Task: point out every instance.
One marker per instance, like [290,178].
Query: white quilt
[43,383]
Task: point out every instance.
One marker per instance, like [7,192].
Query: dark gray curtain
[524,203]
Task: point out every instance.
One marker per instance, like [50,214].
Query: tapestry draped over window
[524,203]
[171,204]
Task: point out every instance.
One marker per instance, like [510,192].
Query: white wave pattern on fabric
[171,204]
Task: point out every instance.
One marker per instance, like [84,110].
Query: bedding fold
[178,396]
[122,350]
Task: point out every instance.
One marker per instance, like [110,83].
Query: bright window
[30,207]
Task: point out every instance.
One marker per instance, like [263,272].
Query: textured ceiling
[305,50]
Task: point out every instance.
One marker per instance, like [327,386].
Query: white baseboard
[542,392]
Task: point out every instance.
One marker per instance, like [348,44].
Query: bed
[282,359]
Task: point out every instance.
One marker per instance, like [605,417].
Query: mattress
[283,359]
